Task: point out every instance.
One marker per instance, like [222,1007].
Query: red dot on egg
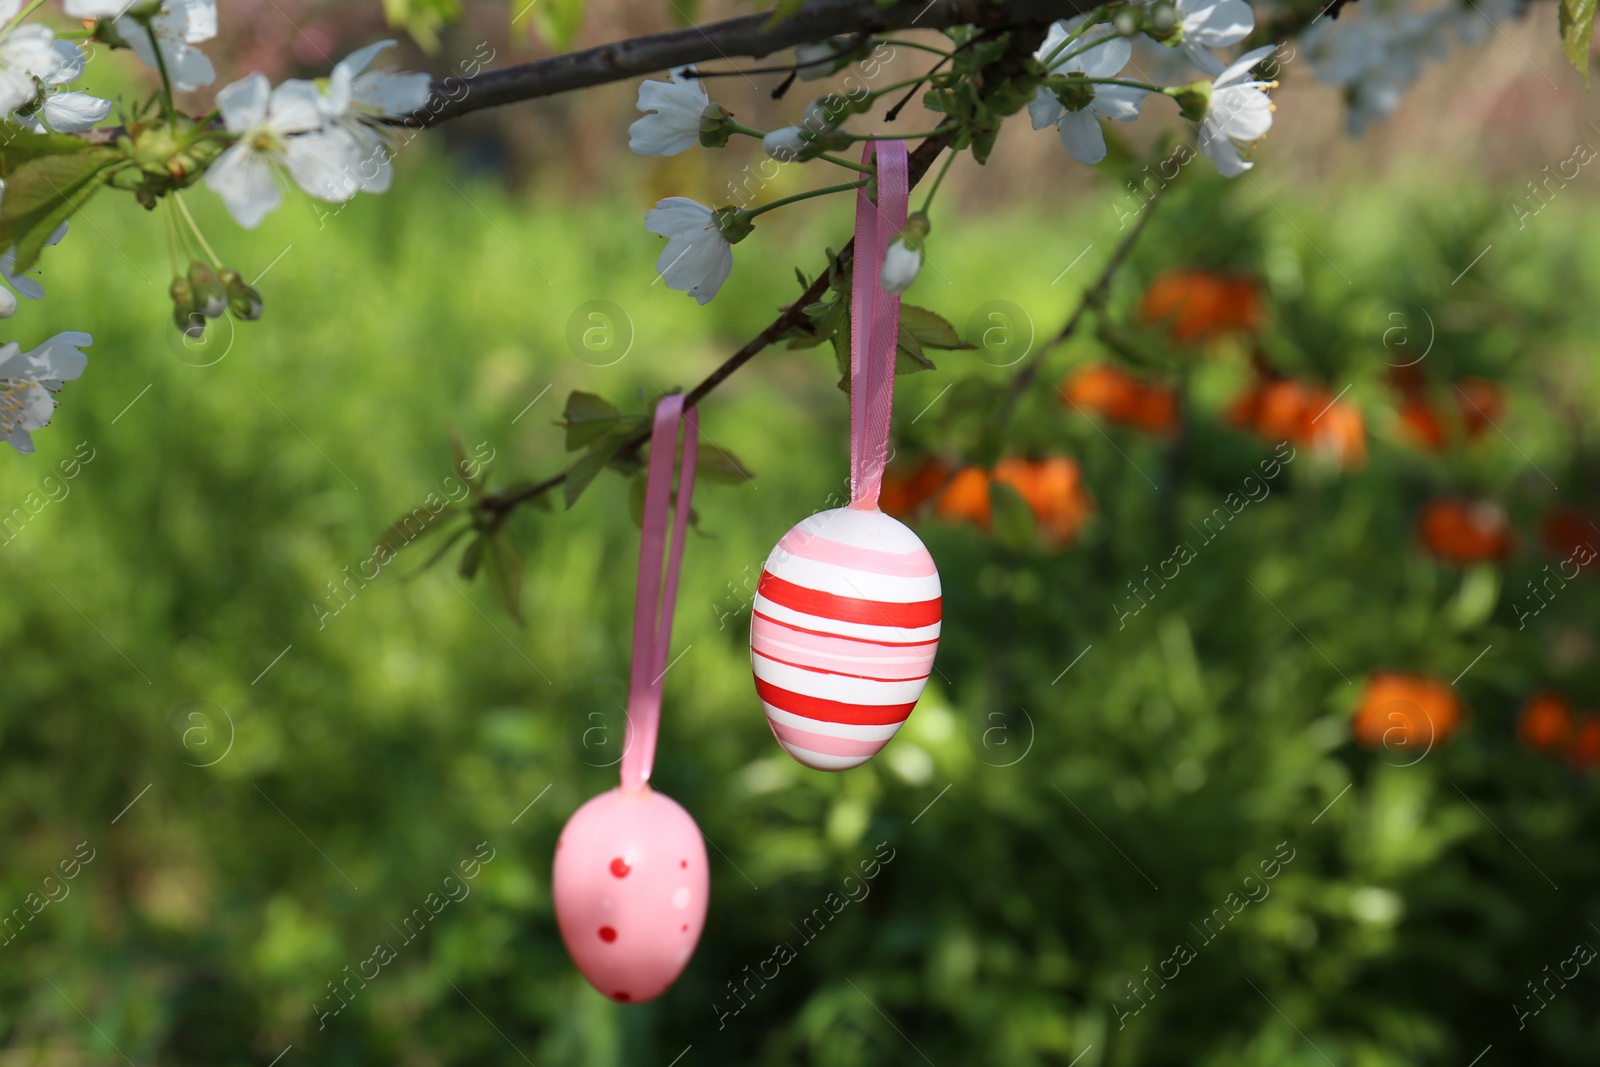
[685,927]
[683,863]
[624,997]
[607,934]
[620,868]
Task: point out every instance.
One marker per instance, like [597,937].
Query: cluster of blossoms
[1377,55]
[330,138]
[1081,84]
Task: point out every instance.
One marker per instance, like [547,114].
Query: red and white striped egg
[843,634]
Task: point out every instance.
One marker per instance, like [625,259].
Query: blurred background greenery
[271,765]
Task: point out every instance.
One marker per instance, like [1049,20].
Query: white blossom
[29,382]
[672,116]
[1080,129]
[357,98]
[62,110]
[697,258]
[178,26]
[1377,56]
[901,263]
[27,53]
[1240,113]
[282,127]
[1211,24]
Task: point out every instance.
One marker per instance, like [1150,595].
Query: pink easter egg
[843,635]
[631,884]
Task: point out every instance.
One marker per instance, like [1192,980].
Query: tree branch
[1021,46]
[750,36]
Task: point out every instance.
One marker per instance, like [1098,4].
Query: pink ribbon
[655,599]
[875,321]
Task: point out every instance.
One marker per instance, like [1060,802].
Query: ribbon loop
[656,597]
[874,321]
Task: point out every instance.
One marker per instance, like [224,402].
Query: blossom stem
[797,197]
[30,9]
[172,240]
[1050,60]
[927,201]
[161,67]
[1130,83]
[840,162]
[890,136]
[216,261]
[893,43]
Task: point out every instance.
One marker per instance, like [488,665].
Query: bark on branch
[749,36]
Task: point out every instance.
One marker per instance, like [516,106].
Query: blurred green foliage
[275,762]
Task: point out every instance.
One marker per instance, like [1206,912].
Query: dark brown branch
[750,36]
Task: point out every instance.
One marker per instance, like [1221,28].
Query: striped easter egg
[843,635]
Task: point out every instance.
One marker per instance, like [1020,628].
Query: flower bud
[786,144]
[210,299]
[901,263]
[715,127]
[1162,21]
[243,300]
[1125,22]
[185,312]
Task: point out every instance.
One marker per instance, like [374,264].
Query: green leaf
[408,528]
[593,462]
[505,574]
[1577,27]
[19,146]
[929,329]
[45,192]
[472,558]
[449,543]
[908,357]
[589,418]
[557,21]
[719,465]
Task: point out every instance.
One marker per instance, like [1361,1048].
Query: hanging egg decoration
[631,883]
[843,635]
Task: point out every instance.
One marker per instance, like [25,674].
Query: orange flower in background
[1123,397]
[1198,305]
[1571,534]
[1053,489]
[1585,752]
[965,498]
[1339,432]
[1287,410]
[904,491]
[1481,402]
[1545,723]
[1420,425]
[1405,711]
[1465,531]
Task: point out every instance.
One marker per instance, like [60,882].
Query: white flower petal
[244,103]
[324,163]
[1120,102]
[1082,137]
[295,107]
[8,304]
[1223,153]
[1243,65]
[59,359]
[1216,23]
[697,258]
[72,112]
[1044,109]
[244,181]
